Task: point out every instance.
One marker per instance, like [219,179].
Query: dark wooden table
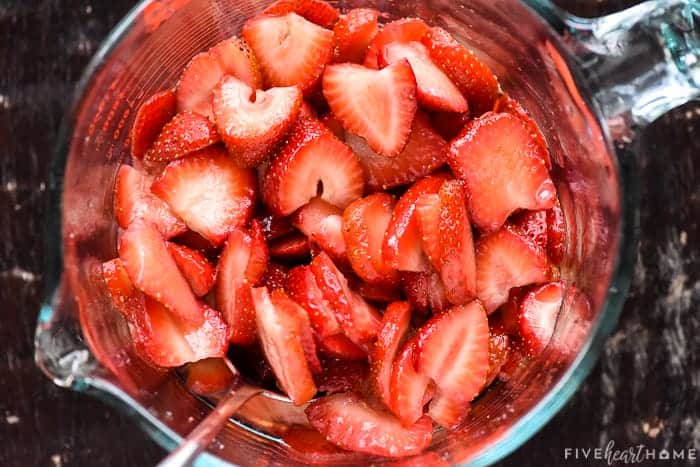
[644,390]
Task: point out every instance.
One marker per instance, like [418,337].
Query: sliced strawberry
[473,78]
[253,122]
[209,192]
[424,153]
[291,50]
[281,329]
[509,105]
[194,241]
[505,319]
[402,248]
[132,200]
[351,90]
[429,212]
[408,387]
[323,224]
[377,292]
[425,291]
[125,297]
[532,225]
[339,346]
[364,224]
[448,412]
[453,350]
[499,350]
[391,335]
[186,133]
[302,287]
[353,33]
[342,375]
[538,315]
[556,234]
[275,226]
[449,124]
[306,335]
[313,162]
[293,247]
[505,260]
[150,267]
[311,444]
[196,268]
[197,81]
[502,167]
[209,376]
[152,115]
[237,59]
[351,423]
[402,31]
[316,11]
[434,89]
[275,276]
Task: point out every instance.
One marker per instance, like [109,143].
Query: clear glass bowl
[82,343]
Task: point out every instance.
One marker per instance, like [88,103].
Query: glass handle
[639,63]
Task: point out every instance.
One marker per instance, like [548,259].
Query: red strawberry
[473,78]
[316,11]
[209,376]
[150,267]
[155,112]
[342,375]
[429,212]
[409,389]
[242,265]
[377,292]
[353,33]
[505,260]
[312,161]
[448,412]
[434,89]
[364,223]
[539,310]
[425,291]
[196,242]
[339,346]
[351,90]
[424,153]
[209,192]
[195,267]
[509,105]
[311,444]
[125,297]
[275,226]
[291,50]
[402,248]
[302,287]
[293,247]
[323,224]
[453,350]
[391,335]
[556,234]
[503,169]
[132,200]
[402,31]
[499,350]
[532,225]
[351,423]
[449,124]
[252,122]
[281,328]
[275,276]
[505,319]
[334,125]
[186,133]
[236,59]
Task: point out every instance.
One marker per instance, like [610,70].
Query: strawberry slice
[306,335]
[186,133]
[209,192]
[556,234]
[507,104]
[424,153]
[425,291]
[448,412]
[402,31]
[322,223]
[391,335]
[499,352]
[339,346]
[409,389]
[275,276]
[505,319]
[312,163]
[342,376]
[293,247]
[252,122]
[194,241]
[538,314]
[353,33]
[209,376]
[132,200]
[275,226]
[242,265]
[473,78]
[196,268]
[428,212]
[152,115]
[402,248]
[237,59]
[352,89]
[503,169]
[377,292]
[434,89]
[150,267]
[352,423]
[281,329]
[316,11]
[449,124]
[302,287]
[365,222]
[531,225]
[125,297]
[505,260]
[291,50]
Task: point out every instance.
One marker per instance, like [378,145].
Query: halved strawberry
[350,422]
[292,247]
[275,276]
[323,224]
[424,153]
[302,287]
[209,376]
[391,335]
[449,124]
[209,192]
[402,248]
[242,265]
[125,297]
[281,329]
[401,30]
[316,11]
[236,59]
[473,78]
[339,346]
[133,199]
[342,375]
[556,234]
[505,319]
[364,224]
[186,133]
[539,310]
[291,50]
[434,89]
[196,268]
[353,33]
[505,260]
[499,350]
[352,90]
[425,291]
[312,163]
[152,115]
[448,412]
[150,267]
[503,169]
[253,122]
[409,389]
[533,225]
[507,104]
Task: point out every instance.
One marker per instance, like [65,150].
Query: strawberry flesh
[322,223]
[538,314]
[186,133]
[152,115]
[425,291]
[391,335]
[409,389]
[293,247]
[342,375]
[402,30]
[302,287]
[275,276]
[316,11]
[353,33]
[196,268]
[209,376]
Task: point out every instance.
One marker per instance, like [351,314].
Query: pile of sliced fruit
[359,201]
